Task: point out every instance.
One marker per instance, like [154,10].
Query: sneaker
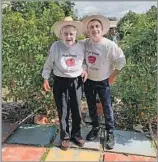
[92,135]
[110,141]
[65,144]
[78,140]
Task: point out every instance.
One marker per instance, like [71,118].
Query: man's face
[95,29]
[68,34]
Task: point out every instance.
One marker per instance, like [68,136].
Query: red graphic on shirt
[70,62]
[91,59]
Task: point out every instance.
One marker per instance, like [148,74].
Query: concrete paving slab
[93,145]
[7,130]
[56,154]
[132,143]
[33,135]
[17,153]
[101,119]
[122,157]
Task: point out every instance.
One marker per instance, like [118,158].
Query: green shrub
[27,38]
[136,85]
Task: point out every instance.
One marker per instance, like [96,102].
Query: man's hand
[46,86]
[112,79]
[113,76]
[84,75]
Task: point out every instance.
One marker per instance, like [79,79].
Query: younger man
[66,60]
[104,60]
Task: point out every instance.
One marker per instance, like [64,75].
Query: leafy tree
[137,82]
[39,7]
[26,40]
[126,23]
[68,8]
[24,8]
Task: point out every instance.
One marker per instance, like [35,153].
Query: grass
[43,158]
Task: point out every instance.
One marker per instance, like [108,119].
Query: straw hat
[67,21]
[105,22]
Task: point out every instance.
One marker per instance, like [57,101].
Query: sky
[111,9]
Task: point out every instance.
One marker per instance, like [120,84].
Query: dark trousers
[67,95]
[102,88]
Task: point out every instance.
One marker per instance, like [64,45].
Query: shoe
[92,135]
[65,144]
[78,140]
[110,141]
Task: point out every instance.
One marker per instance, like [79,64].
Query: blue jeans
[101,88]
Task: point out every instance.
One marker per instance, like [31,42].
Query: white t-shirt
[65,61]
[102,58]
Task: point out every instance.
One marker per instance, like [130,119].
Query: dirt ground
[17,112]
